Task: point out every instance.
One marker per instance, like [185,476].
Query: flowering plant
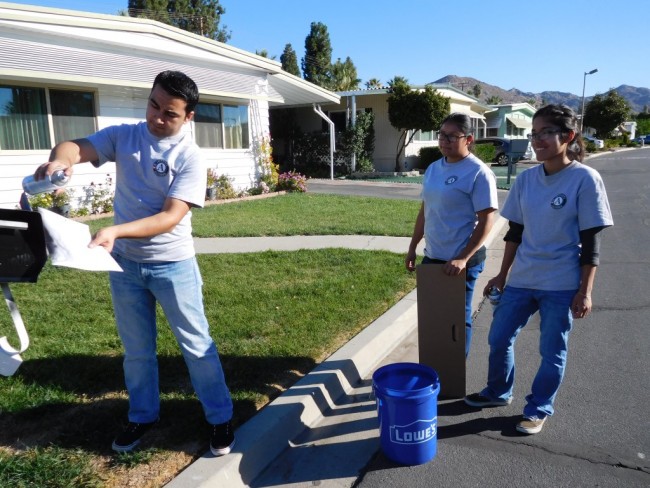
[292,181]
[212,178]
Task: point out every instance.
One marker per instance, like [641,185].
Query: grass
[302,214]
[274,316]
[501,173]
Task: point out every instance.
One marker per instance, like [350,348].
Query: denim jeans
[177,286]
[516,307]
[471,274]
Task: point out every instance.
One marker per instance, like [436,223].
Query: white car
[598,142]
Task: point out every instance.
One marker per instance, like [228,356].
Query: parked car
[505,149]
[529,155]
[646,139]
[598,142]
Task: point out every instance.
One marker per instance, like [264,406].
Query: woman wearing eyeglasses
[459,200]
[556,211]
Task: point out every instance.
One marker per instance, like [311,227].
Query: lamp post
[584,82]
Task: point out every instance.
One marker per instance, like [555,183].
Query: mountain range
[638,98]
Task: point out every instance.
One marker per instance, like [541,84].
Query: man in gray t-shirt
[160,177]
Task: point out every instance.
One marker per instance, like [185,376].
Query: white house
[65,74]
[386,136]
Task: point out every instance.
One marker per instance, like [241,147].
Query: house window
[73,114]
[235,122]
[208,129]
[24,114]
[425,136]
[492,132]
[221,126]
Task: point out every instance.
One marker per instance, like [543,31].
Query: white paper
[67,243]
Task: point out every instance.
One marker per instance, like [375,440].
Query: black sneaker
[478,400]
[130,436]
[222,439]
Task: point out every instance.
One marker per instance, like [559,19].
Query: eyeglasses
[449,138]
[543,135]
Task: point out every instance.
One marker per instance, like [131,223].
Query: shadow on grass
[91,423]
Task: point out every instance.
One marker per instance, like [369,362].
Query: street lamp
[584,82]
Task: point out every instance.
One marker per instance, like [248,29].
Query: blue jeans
[516,307]
[471,275]
[177,286]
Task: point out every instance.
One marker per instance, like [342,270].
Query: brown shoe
[531,425]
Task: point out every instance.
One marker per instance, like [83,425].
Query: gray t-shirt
[149,170]
[553,210]
[452,194]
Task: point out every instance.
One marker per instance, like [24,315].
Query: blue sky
[529,45]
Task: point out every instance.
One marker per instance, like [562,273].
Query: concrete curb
[269,433]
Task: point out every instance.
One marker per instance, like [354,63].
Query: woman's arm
[486,220]
[418,233]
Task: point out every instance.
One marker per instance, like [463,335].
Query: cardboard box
[441,326]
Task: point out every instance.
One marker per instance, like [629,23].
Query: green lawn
[274,315]
[501,173]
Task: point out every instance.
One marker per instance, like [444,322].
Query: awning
[519,123]
[471,113]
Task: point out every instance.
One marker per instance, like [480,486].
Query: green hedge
[428,155]
[485,152]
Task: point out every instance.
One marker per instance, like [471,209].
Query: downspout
[320,112]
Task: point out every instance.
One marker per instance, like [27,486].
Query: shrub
[485,152]
[428,155]
[590,147]
[292,181]
[42,200]
[211,178]
[225,190]
[365,165]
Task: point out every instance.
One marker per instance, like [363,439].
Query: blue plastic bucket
[407,396]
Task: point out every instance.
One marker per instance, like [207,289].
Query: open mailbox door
[22,257]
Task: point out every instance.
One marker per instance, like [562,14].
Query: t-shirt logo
[160,167]
[559,201]
[451,180]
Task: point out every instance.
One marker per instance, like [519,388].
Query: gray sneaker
[480,401]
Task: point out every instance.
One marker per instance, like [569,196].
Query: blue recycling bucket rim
[429,388]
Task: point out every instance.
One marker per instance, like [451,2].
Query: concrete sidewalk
[323,430]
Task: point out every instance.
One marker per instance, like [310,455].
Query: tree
[289,60]
[316,65]
[643,122]
[410,110]
[344,76]
[493,100]
[476,90]
[606,112]
[200,17]
[264,53]
[374,84]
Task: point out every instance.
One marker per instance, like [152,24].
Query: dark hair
[565,119]
[179,85]
[460,120]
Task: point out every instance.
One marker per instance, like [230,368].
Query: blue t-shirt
[553,210]
[452,194]
[149,170]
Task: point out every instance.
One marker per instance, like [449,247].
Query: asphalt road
[600,433]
